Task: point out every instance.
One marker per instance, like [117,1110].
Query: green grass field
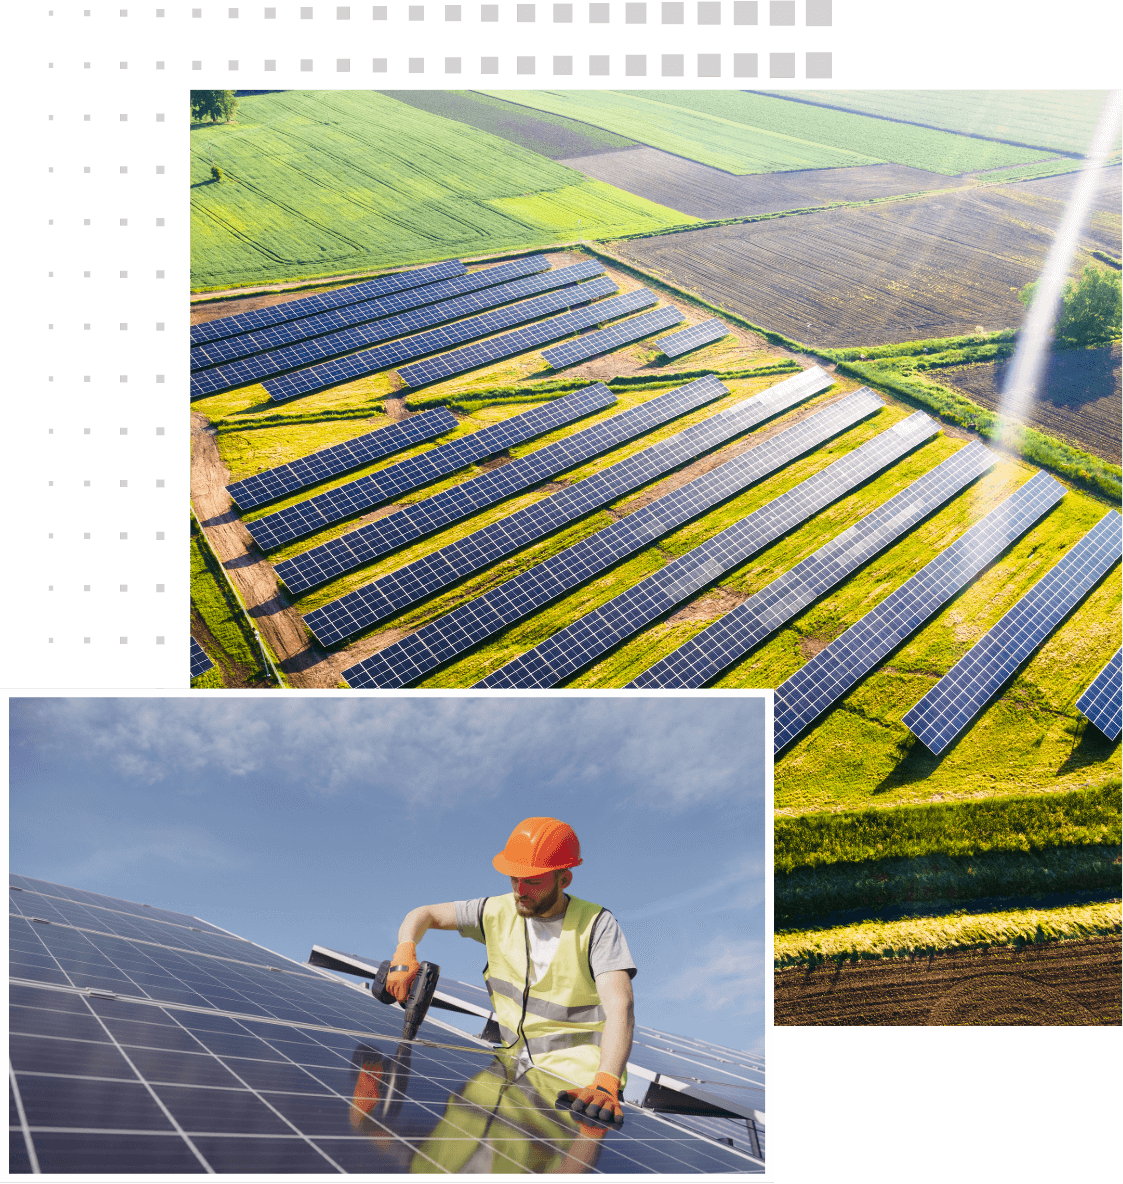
[325,183]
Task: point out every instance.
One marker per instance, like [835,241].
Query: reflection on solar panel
[378,538]
[717,647]
[591,344]
[977,677]
[468,625]
[174,1047]
[314,378]
[200,663]
[471,356]
[330,462]
[832,672]
[246,322]
[342,341]
[592,635]
[227,349]
[687,339]
[1102,702]
[334,505]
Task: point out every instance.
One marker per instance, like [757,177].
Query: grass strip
[1080,817]
[918,936]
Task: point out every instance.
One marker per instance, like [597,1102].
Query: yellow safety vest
[560,1017]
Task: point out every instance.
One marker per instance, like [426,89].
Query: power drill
[420,993]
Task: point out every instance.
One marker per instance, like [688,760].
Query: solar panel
[470,624]
[246,322]
[691,338]
[227,349]
[200,663]
[333,505]
[594,634]
[510,344]
[327,374]
[365,606]
[138,1053]
[1102,702]
[330,462]
[977,677]
[378,538]
[343,341]
[717,647]
[832,672]
[591,344]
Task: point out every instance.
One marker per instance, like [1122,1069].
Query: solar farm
[579,457]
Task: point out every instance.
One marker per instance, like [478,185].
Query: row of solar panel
[200,663]
[684,341]
[228,349]
[569,353]
[304,354]
[365,606]
[383,285]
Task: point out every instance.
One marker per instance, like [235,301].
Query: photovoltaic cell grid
[592,635]
[687,339]
[200,663]
[131,1056]
[976,678]
[247,322]
[343,341]
[832,672]
[419,579]
[314,378]
[510,344]
[336,504]
[1102,702]
[330,462]
[717,647]
[571,352]
[228,349]
[487,614]
[378,538]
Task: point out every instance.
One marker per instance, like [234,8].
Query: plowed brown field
[1061,983]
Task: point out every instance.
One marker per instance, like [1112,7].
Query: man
[558,970]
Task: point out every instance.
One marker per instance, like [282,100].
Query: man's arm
[615,990]
[417,923]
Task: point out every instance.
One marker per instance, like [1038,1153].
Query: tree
[213,105]
[1090,311]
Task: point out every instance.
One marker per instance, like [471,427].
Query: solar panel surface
[326,374]
[140,1054]
[363,607]
[227,349]
[200,663]
[1102,702]
[246,322]
[832,672]
[306,353]
[594,634]
[509,344]
[436,643]
[330,462]
[948,708]
[378,538]
[336,504]
[591,344]
[717,647]
[685,340]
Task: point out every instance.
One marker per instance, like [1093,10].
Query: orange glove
[403,970]
[599,1101]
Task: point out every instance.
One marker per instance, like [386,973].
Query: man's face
[536,895]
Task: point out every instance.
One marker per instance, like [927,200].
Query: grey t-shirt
[608,949]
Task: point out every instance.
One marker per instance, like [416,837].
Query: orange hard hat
[538,845]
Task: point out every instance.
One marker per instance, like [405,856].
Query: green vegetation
[213,105]
[1091,310]
[959,931]
[325,182]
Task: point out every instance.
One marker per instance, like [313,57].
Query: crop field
[1059,120]
[745,133]
[709,193]
[933,266]
[327,182]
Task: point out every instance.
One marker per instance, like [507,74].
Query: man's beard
[526,909]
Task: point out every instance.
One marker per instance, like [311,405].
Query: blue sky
[293,820]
